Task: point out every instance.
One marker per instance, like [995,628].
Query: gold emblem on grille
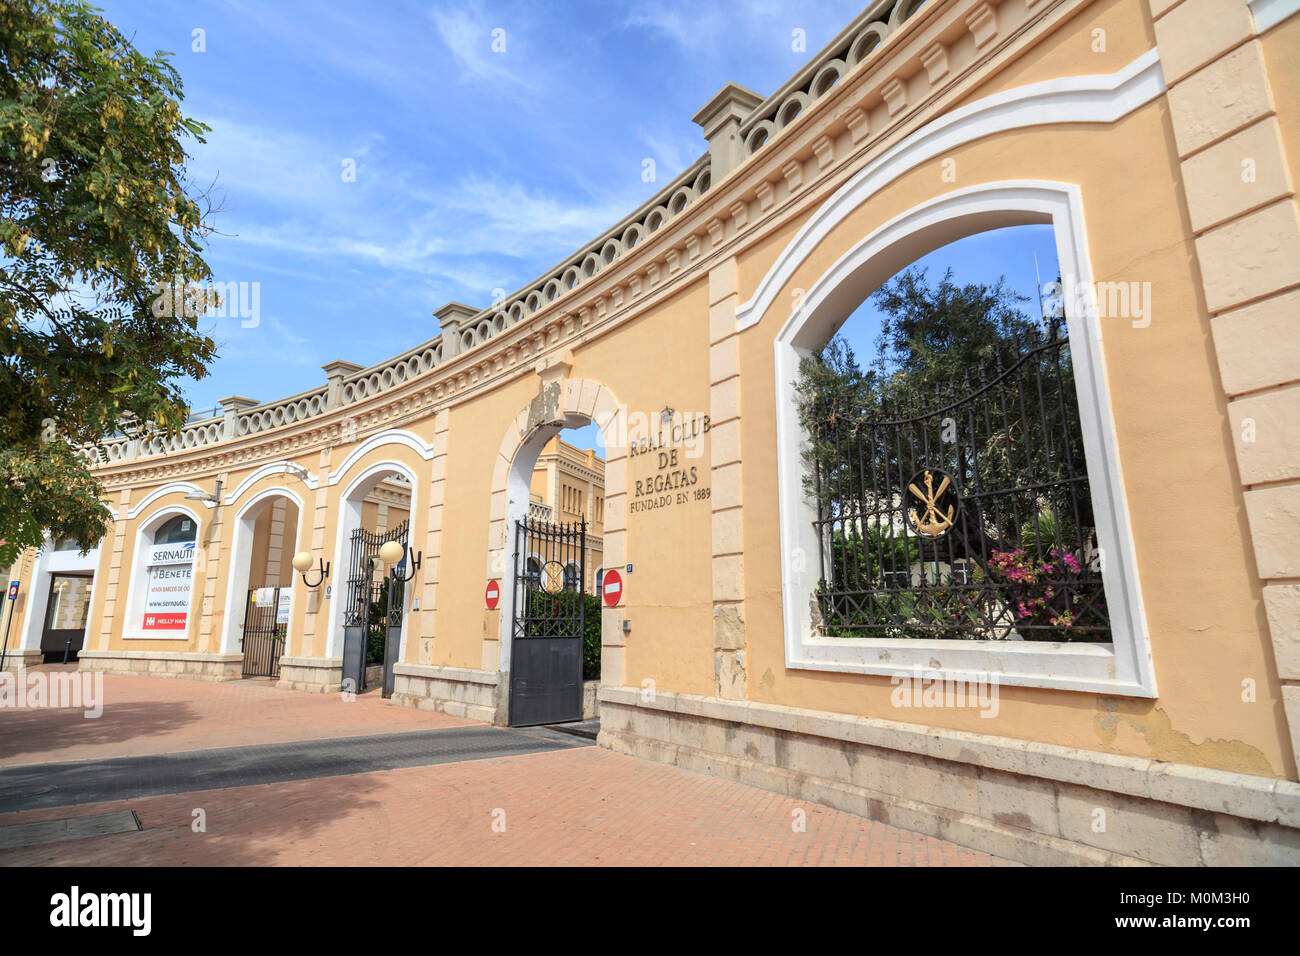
[934,521]
[552,577]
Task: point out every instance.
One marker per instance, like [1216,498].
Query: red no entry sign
[492,596]
[611,587]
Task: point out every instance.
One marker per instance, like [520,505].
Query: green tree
[933,336]
[97,218]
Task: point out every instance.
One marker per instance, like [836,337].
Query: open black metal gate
[368,617]
[263,633]
[546,650]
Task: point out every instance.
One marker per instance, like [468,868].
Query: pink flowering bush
[1049,598]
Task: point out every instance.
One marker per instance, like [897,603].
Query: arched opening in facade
[959,496]
[552,543]
[261,591]
[369,616]
[947,458]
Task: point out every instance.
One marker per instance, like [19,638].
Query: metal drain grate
[68,828]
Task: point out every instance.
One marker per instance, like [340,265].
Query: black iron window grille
[961,510]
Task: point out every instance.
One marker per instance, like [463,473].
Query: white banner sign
[167,599]
[169,586]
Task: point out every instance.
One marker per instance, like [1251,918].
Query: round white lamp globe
[392,552]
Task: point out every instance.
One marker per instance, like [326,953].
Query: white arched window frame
[1122,667]
[155,566]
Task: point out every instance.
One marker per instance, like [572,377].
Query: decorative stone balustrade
[855,43]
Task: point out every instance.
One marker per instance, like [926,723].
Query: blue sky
[475,170]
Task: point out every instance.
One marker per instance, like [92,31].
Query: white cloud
[697,26]
[469,36]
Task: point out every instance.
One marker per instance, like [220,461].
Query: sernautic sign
[179,553]
[169,586]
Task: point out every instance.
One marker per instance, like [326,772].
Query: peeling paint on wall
[1173,746]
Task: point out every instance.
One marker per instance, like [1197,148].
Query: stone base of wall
[457,691]
[321,675]
[24,659]
[1037,803]
[590,699]
[214,667]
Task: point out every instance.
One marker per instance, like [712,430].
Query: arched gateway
[731,641]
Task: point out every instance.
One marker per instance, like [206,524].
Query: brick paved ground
[584,806]
[576,807]
[153,715]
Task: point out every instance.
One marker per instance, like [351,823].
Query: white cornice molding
[1101,98]
[171,488]
[275,468]
[276,491]
[394,436]
[1269,13]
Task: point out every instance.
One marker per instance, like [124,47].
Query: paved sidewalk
[579,805]
[155,715]
[583,806]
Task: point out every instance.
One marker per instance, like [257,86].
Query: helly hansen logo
[77,909]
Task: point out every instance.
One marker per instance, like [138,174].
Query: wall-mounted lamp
[302,564]
[212,499]
[393,553]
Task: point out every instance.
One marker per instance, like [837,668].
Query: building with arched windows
[1121,493]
